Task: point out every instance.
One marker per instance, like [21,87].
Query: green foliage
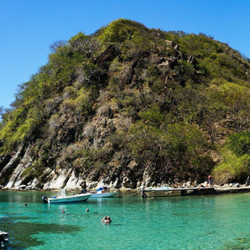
[135,38]
[232,168]
[185,69]
[81,102]
[57,75]
[34,171]
[152,116]
[84,101]
[231,102]
[90,159]
[213,59]
[24,130]
[180,149]
[199,46]
[79,37]
[235,164]
[28,171]
[239,143]
[120,31]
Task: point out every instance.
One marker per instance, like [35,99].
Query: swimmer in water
[106,220]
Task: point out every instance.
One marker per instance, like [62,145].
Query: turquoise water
[197,222]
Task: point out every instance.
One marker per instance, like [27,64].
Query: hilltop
[128,106]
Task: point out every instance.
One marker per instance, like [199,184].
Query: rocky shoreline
[213,189]
[231,189]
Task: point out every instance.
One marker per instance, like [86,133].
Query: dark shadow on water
[241,243]
[21,233]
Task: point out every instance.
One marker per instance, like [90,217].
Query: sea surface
[179,222]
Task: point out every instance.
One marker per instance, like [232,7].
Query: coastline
[160,191]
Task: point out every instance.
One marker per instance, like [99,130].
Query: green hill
[128,105]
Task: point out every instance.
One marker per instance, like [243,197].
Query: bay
[180,222]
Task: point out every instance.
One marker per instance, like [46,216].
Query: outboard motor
[45,199]
[4,239]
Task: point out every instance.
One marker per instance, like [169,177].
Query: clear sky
[29,27]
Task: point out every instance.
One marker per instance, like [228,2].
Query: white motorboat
[63,198]
[101,193]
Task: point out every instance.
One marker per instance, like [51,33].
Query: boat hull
[103,195]
[69,199]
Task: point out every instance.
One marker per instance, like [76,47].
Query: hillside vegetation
[133,104]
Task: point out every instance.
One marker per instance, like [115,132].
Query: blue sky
[29,27]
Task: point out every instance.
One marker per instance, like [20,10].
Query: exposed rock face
[17,179]
[11,164]
[68,179]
